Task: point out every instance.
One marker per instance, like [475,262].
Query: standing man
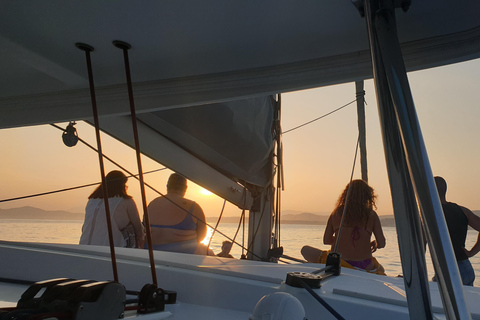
[458,219]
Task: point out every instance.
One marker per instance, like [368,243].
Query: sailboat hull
[211,287]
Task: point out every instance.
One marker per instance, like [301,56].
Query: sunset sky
[318,157]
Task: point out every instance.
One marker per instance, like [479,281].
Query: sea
[292,238]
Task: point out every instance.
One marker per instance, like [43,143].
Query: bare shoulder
[373,216]
[334,219]
[467,211]
[155,201]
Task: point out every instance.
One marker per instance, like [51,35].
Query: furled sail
[233,137]
[221,146]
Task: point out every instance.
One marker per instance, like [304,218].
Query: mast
[360,93]
[410,175]
[260,225]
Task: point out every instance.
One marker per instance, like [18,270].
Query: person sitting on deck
[177,223]
[354,245]
[127,229]
[226,247]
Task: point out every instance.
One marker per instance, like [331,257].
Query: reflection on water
[293,237]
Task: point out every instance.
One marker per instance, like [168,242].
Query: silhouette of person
[123,213]
[226,247]
[360,222]
[458,220]
[177,223]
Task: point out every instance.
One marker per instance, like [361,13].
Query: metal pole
[386,54]
[125,47]
[87,49]
[362,136]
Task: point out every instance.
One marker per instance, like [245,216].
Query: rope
[316,119]
[218,222]
[71,188]
[348,195]
[87,49]
[319,299]
[125,47]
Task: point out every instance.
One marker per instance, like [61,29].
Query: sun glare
[205,192]
[208,236]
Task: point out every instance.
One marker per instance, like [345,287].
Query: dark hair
[361,201]
[176,182]
[441,186]
[116,182]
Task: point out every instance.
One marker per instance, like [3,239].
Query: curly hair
[361,201]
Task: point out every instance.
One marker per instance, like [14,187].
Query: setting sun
[205,192]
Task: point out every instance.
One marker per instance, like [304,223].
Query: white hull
[212,287]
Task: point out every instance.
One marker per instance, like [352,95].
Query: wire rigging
[218,222]
[347,197]
[215,229]
[316,119]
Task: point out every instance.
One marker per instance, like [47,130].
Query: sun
[205,192]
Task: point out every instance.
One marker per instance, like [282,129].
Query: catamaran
[195,85]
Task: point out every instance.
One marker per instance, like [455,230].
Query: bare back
[355,240]
[172,210]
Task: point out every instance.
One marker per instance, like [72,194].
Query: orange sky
[318,157]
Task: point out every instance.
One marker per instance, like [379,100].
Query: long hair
[116,186]
[361,201]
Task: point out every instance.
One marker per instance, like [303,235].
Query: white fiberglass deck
[211,287]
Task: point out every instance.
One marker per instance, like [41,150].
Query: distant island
[30,213]
[288,216]
[291,217]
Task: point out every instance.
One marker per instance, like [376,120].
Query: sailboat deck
[209,285]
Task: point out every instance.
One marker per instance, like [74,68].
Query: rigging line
[347,197]
[87,49]
[293,258]
[71,188]
[125,47]
[316,119]
[49,192]
[278,213]
[153,189]
[218,222]
[319,299]
[116,163]
[161,194]
[239,225]
[108,158]
[243,239]
[241,219]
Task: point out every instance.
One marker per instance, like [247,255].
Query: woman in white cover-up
[123,213]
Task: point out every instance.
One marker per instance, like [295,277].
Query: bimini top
[189,52]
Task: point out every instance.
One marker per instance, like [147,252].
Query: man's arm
[473,219]
[475,249]
[474,222]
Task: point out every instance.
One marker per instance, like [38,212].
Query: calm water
[293,237]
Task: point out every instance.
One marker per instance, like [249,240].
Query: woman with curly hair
[355,229]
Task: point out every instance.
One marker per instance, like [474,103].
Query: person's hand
[468,253]
[373,246]
[141,241]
